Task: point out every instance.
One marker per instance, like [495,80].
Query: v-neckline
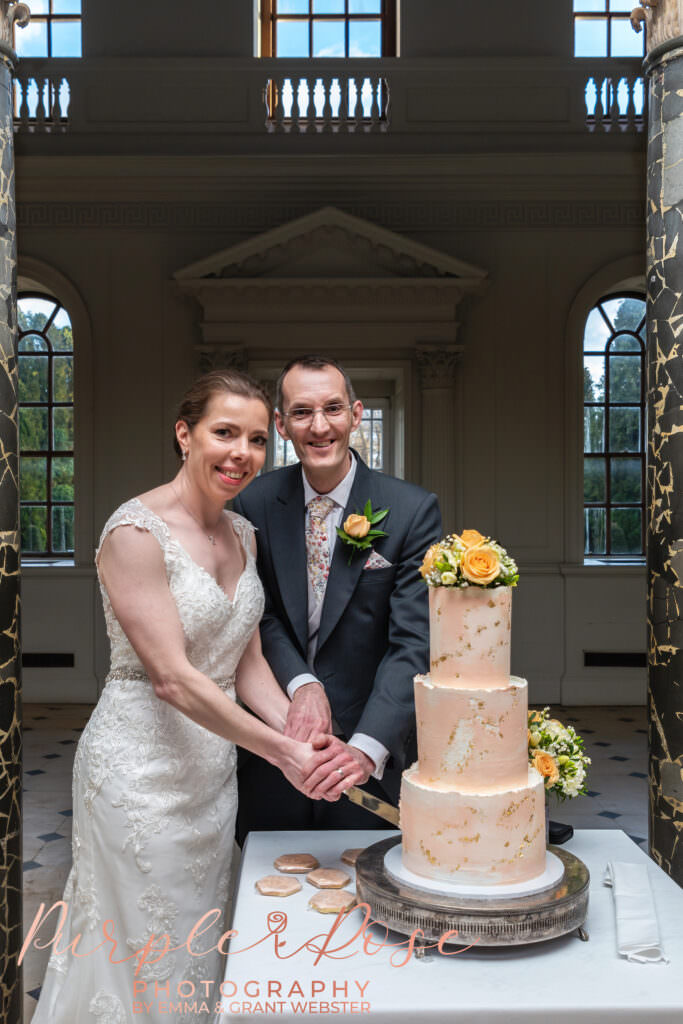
[195,563]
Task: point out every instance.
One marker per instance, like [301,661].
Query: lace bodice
[216,628]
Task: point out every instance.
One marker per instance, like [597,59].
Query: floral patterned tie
[318,544]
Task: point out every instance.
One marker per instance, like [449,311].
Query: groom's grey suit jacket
[374,629]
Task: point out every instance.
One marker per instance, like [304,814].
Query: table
[556,982]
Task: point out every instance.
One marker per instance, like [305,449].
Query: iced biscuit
[276,885]
[351,855]
[296,863]
[332,901]
[327,878]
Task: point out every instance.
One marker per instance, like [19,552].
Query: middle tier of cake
[472,739]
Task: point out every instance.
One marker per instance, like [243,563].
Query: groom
[344,631]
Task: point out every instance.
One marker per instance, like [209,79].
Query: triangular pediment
[329,244]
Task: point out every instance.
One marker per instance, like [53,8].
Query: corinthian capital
[437,364]
[663,18]
[11,12]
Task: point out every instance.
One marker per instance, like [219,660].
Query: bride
[154,789]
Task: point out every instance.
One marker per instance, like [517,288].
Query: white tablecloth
[557,982]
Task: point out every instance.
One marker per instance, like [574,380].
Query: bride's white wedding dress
[154,805]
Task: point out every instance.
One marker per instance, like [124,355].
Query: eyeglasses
[304,417]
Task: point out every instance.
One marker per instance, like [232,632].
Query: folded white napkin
[637,931]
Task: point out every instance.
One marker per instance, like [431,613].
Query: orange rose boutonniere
[358,530]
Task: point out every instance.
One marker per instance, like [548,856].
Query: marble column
[440,462]
[11,996]
[664,69]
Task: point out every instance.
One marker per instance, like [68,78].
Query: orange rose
[430,559]
[471,538]
[546,765]
[480,565]
[357,526]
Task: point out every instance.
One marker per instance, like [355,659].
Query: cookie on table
[331,901]
[328,878]
[277,885]
[296,863]
[351,855]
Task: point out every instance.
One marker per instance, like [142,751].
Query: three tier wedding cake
[472,809]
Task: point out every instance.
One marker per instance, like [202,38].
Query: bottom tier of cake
[473,838]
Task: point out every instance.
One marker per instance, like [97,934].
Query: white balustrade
[41,103]
[615,104]
[328,102]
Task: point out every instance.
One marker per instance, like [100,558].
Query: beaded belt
[139,675]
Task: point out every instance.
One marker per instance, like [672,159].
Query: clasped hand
[334,765]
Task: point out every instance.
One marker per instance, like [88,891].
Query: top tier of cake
[470,638]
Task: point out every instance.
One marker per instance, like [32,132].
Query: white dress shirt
[375,750]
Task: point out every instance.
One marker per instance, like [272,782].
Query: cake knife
[372,804]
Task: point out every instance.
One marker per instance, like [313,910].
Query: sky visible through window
[54,30]
[328,28]
[602,29]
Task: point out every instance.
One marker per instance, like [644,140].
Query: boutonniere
[358,530]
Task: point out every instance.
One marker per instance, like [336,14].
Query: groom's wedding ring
[340,771]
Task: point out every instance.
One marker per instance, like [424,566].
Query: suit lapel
[288,550]
[343,577]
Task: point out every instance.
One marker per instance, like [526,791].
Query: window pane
[32,40]
[624,378]
[66,38]
[283,451]
[40,7]
[65,6]
[626,343]
[625,314]
[626,42]
[590,37]
[34,530]
[33,432]
[63,384]
[595,531]
[291,38]
[60,333]
[293,7]
[621,5]
[63,479]
[328,6]
[33,479]
[33,379]
[597,333]
[593,379]
[368,439]
[35,313]
[63,429]
[626,479]
[594,488]
[329,39]
[365,39]
[365,6]
[626,531]
[590,5]
[594,430]
[624,430]
[63,528]
[33,343]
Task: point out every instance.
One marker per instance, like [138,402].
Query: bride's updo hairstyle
[231,382]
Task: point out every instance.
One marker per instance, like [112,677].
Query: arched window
[46,427]
[614,427]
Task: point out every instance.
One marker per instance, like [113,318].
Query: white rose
[448,578]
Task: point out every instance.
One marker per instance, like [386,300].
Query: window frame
[607,454]
[610,16]
[387,17]
[50,19]
[51,453]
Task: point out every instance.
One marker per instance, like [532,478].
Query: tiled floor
[616,739]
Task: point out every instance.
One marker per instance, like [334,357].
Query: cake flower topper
[557,752]
[468,560]
[358,530]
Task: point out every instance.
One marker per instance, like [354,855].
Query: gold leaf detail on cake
[470,839]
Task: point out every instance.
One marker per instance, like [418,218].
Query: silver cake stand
[486,920]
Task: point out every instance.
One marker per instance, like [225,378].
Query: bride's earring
[184,455]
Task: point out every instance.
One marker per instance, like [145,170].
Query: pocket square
[376,561]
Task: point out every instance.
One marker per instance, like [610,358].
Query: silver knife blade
[373,804]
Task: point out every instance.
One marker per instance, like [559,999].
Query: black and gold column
[10,678]
[664,69]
